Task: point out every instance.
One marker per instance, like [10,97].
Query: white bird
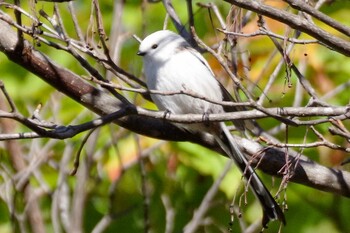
[172,65]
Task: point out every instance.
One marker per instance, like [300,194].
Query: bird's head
[161,45]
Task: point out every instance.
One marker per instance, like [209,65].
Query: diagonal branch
[296,22]
[303,6]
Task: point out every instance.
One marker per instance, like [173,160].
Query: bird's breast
[183,83]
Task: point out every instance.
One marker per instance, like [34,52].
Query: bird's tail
[271,210]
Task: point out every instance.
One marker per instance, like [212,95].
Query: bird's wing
[199,56]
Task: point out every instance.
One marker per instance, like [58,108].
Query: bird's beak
[140,53]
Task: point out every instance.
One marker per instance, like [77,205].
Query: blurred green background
[180,173]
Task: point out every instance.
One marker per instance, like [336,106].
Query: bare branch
[264,32]
[305,172]
[302,6]
[296,22]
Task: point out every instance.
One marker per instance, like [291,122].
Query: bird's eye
[154,46]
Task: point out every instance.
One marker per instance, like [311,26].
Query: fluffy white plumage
[175,66]
[171,65]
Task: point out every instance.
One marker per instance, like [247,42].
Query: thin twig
[197,219]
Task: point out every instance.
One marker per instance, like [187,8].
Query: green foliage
[182,172]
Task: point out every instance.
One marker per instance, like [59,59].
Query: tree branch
[305,171]
[302,6]
[296,22]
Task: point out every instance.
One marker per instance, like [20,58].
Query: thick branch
[296,22]
[306,172]
[303,6]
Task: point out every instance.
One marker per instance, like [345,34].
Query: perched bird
[172,65]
